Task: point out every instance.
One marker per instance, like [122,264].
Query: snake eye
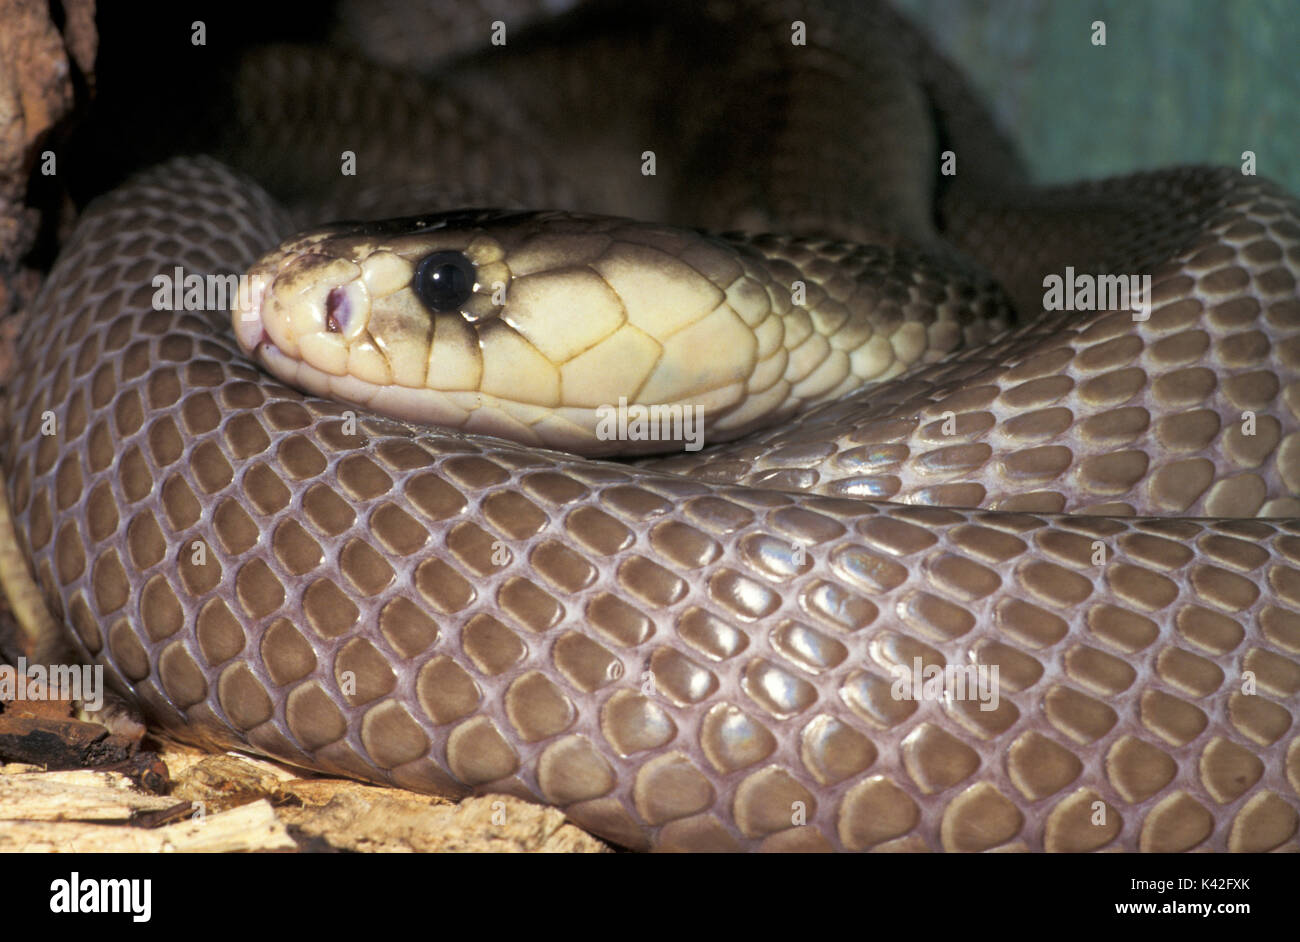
[444,280]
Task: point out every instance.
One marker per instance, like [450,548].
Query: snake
[917,472]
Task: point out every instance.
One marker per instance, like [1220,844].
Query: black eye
[444,280]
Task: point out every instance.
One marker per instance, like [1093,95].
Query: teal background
[1178,81]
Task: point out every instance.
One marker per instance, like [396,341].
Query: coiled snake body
[699,654]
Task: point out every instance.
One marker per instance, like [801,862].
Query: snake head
[529,326]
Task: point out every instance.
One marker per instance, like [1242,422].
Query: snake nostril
[444,280]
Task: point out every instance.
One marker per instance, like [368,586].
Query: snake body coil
[704,653]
